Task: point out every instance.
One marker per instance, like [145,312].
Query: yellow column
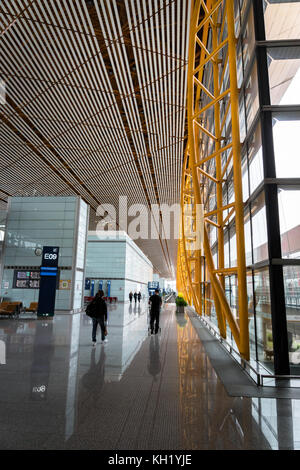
[219,192]
[237,172]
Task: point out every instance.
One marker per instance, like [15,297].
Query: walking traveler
[155,302]
[97,310]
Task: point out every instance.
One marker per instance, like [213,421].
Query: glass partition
[259,229]
[262,306]
[256,172]
[289,216]
[284,74]
[286,131]
[291,276]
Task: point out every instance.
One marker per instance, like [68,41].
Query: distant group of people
[136,296]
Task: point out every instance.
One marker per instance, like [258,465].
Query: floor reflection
[127,329]
[90,386]
[213,420]
[57,391]
[154,364]
[43,350]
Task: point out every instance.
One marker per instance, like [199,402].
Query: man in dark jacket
[99,308]
[155,302]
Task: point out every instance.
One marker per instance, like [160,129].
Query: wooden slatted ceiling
[95,103]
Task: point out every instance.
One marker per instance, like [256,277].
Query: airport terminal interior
[149,148]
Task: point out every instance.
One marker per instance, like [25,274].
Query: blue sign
[153,285]
[100,285]
[92,288]
[47,271]
[108,283]
[87,284]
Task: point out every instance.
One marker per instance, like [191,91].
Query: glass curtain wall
[268,62]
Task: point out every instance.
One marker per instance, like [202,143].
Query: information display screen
[24,279]
[22,274]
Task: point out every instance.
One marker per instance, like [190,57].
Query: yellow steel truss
[212,157]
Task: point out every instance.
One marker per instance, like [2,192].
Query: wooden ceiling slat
[96,102]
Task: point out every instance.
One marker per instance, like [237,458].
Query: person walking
[139,297]
[99,309]
[155,303]
[130,296]
[135,296]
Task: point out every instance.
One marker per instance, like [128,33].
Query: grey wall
[40,221]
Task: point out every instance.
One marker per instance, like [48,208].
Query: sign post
[48,281]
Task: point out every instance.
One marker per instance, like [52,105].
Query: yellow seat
[10,309]
[32,307]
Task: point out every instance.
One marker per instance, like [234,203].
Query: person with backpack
[155,303]
[97,310]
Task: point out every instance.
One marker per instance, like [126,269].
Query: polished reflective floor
[57,391]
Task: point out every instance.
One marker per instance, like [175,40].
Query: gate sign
[50,256]
[48,276]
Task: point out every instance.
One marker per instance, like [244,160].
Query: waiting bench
[32,307]
[10,308]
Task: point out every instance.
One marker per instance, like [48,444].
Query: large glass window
[291,276]
[289,216]
[282,19]
[284,74]
[234,295]
[226,250]
[262,306]
[248,246]
[251,96]
[286,131]
[232,245]
[259,229]
[245,180]
[242,118]
[251,315]
[248,34]
[256,172]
